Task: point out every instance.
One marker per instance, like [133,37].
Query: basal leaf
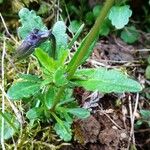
[130,34]
[46,61]
[67,117]
[63,130]
[35,113]
[49,97]
[29,21]
[62,111]
[59,31]
[119,16]
[79,112]
[29,77]
[23,89]
[106,81]
[60,77]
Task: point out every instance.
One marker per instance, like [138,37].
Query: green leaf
[79,112]
[35,113]
[46,46]
[63,130]
[145,114]
[23,89]
[49,97]
[105,29]
[106,81]
[147,72]
[62,57]
[62,111]
[29,77]
[44,8]
[60,77]
[59,31]
[74,25]
[96,10]
[67,117]
[46,61]
[130,34]
[8,130]
[29,21]
[89,18]
[75,36]
[119,16]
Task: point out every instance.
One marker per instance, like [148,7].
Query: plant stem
[87,43]
[93,34]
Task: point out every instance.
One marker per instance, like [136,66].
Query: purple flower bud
[33,40]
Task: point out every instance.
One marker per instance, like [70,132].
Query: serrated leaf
[23,89]
[46,61]
[29,77]
[8,130]
[62,111]
[49,97]
[74,25]
[60,77]
[35,113]
[106,81]
[68,118]
[119,16]
[63,130]
[130,34]
[62,57]
[59,31]
[79,112]
[29,21]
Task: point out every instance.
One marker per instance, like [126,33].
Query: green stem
[93,34]
[83,50]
